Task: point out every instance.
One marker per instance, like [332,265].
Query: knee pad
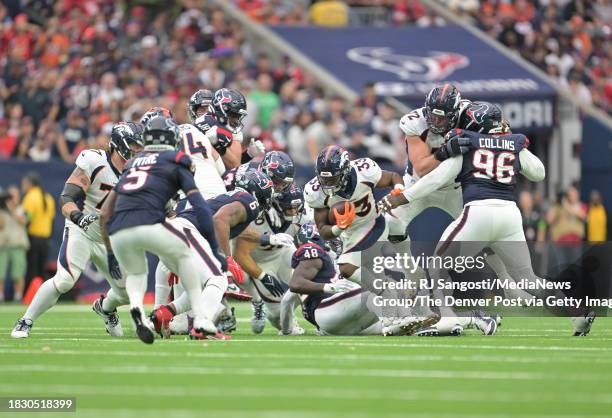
[63,281]
[218,281]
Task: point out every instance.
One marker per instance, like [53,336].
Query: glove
[284,240]
[81,220]
[272,284]
[397,189]
[390,202]
[345,220]
[172,279]
[113,266]
[455,145]
[221,258]
[235,270]
[339,286]
[274,218]
[256,148]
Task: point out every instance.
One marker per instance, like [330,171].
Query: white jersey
[207,174]
[102,179]
[266,253]
[365,174]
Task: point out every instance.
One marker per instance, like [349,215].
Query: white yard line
[327,372]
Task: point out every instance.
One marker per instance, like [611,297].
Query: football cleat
[204,325]
[144,327]
[407,325]
[161,318]
[22,328]
[196,335]
[485,324]
[227,321]
[111,320]
[234,292]
[296,330]
[582,324]
[454,331]
[258,321]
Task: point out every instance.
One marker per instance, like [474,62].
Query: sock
[136,286]
[212,294]
[181,304]
[251,289]
[113,299]
[162,289]
[45,298]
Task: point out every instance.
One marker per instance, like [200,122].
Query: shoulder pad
[367,170]
[90,159]
[313,195]
[413,123]
[307,251]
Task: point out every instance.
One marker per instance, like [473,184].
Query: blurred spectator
[8,142]
[13,242]
[566,220]
[329,13]
[39,208]
[265,99]
[73,138]
[534,225]
[297,138]
[597,221]
[386,126]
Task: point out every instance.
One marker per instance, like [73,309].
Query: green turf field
[530,368]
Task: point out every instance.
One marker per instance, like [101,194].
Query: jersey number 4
[490,166]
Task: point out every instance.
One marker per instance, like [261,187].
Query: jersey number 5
[490,166]
[138,177]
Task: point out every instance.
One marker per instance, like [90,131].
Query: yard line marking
[320,392]
[346,357]
[327,372]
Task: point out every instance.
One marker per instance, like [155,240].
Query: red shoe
[195,335]
[161,318]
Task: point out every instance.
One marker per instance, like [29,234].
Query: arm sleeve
[441,175]
[204,217]
[531,166]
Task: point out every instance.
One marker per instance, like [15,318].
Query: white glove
[274,217]
[339,286]
[256,148]
[285,240]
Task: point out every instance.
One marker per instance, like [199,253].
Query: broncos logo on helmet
[442,107]
[126,139]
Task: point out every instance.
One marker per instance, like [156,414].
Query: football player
[268,266]
[353,182]
[134,218]
[424,131]
[488,174]
[84,193]
[337,306]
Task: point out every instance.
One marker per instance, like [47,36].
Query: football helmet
[279,167]
[290,203]
[123,136]
[160,134]
[200,98]
[333,169]
[485,118]
[442,108]
[258,185]
[153,112]
[230,108]
[309,233]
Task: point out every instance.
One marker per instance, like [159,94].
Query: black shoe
[144,333]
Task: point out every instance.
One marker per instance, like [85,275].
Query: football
[339,207]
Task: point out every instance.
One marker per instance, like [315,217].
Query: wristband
[336,230]
[261,275]
[75,216]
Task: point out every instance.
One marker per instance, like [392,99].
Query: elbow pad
[72,194]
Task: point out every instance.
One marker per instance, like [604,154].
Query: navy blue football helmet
[484,117]
[200,98]
[126,139]
[309,233]
[257,184]
[290,203]
[279,167]
[230,108]
[333,169]
[442,108]
[155,111]
[160,134]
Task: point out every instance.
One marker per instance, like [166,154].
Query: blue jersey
[149,181]
[238,195]
[312,251]
[229,177]
[490,168]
